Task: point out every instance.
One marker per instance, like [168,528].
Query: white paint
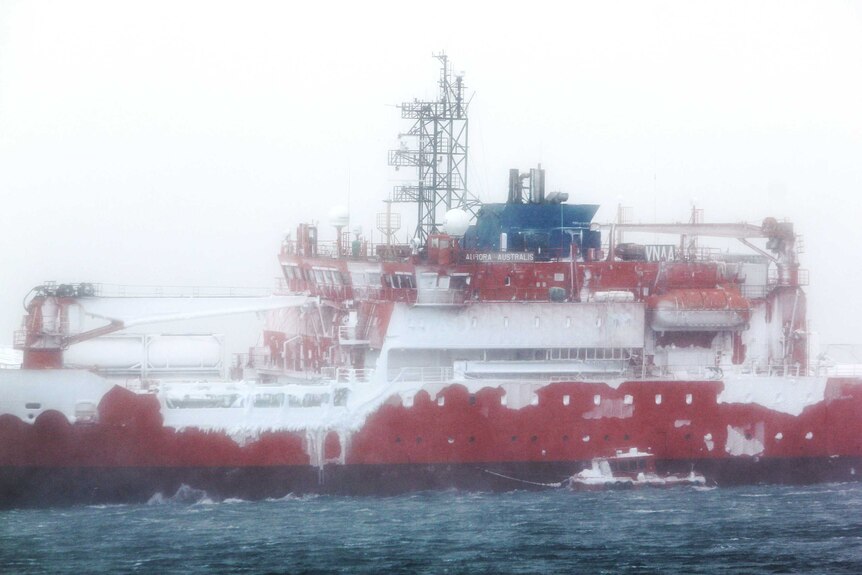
[737,443]
[609,325]
[10,358]
[681,423]
[708,441]
[610,408]
[786,395]
[62,391]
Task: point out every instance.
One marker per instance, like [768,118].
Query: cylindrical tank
[698,310]
[157,352]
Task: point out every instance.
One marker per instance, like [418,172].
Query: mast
[436,145]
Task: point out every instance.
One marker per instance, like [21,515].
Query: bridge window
[403,281]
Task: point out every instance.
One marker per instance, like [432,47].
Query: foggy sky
[173,143]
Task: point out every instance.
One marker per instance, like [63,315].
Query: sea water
[765,529]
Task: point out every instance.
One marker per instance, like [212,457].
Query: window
[597,399]
[404,281]
[566,400]
[658,399]
[428,280]
[688,398]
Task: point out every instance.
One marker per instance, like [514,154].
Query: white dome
[456,222]
[339,216]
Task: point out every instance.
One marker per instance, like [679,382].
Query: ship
[518,339]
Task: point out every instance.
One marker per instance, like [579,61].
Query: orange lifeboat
[698,310]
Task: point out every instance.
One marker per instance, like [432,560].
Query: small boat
[628,469]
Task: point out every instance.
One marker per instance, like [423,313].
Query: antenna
[437,147]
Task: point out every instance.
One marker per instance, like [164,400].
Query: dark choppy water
[730,530]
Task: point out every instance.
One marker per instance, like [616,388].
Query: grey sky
[174,142]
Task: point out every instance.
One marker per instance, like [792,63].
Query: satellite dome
[456,222]
[339,216]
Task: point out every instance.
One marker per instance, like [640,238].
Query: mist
[166,143]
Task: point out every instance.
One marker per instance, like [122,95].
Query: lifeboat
[698,310]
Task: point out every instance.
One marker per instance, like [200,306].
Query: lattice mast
[436,145]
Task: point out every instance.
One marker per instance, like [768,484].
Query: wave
[185,495]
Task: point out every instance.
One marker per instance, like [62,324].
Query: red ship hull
[471,442]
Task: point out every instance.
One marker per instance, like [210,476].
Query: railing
[755,291]
[515,294]
[421,374]
[350,375]
[140,291]
[802,277]
[351,334]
